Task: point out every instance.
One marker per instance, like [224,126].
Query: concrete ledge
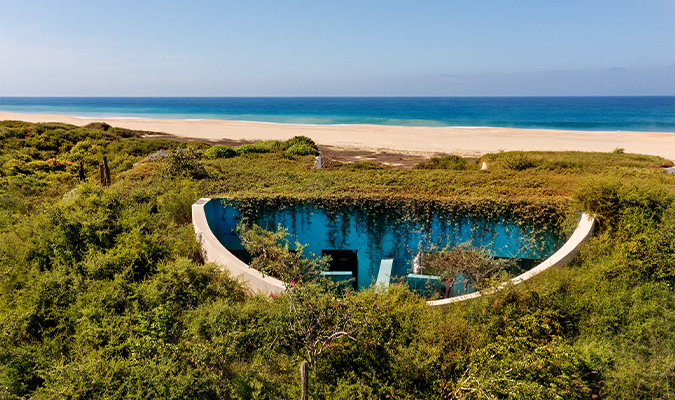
[563,256]
[213,251]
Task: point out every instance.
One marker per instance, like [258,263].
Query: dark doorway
[343,260]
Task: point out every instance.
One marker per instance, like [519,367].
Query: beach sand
[421,141]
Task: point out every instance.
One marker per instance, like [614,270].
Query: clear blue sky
[337,48]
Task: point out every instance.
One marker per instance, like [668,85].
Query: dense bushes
[184,162]
[219,151]
[301,149]
[447,162]
[103,293]
[272,255]
[296,146]
[612,200]
[474,266]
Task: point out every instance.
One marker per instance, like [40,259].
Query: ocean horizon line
[587,113]
[327,96]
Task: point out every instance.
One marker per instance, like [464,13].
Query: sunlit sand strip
[418,140]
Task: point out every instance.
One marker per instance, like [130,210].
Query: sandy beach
[403,139]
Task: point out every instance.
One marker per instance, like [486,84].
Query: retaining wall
[214,251]
[563,256]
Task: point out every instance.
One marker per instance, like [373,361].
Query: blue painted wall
[380,237]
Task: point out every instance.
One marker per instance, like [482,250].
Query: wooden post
[101,174]
[106,171]
[304,381]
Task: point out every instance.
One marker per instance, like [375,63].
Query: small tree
[474,263]
[272,255]
[317,316]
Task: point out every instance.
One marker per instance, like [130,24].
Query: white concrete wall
[563,256]
[213,251]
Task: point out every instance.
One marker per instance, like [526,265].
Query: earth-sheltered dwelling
[375,242]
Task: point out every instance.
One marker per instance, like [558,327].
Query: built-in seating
[384,275]
[344,279]
[426,285]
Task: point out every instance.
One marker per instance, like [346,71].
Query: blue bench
[425,285]
[342,278]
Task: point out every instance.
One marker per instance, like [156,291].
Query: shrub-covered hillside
[103,292]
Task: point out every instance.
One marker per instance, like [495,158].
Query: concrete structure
[205,210]
[213,251]
[357,239]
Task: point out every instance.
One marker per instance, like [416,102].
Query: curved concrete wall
[214,251]
[563,256]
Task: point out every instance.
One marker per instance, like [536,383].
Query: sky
[337,48]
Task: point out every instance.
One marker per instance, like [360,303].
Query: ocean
[567,113]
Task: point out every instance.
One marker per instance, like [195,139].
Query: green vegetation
[103,292]
[219,151]
[272,256]
[448,162]
[301,149]
[297,146]
[476,266]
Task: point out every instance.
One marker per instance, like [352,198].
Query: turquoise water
[369,237]
[570,113]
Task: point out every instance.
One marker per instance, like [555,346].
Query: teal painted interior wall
[377,237]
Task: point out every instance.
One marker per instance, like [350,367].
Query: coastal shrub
[393,352]
[175,202]
[103,292]
[272,254]
[265,146]
[184,162]
[142,147]
[89,151]
[301,140]
[451,162]
[250,149]
[14,167]
[516,161]
[120,132]
[219,151]
[122,163]
[185,284]
[101,126]
[47,166]
[127,133]
[301,149]
[653,253]
[364,165]
[15,124]
[560,165]
[475,265]
[614,201]
[268,146]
